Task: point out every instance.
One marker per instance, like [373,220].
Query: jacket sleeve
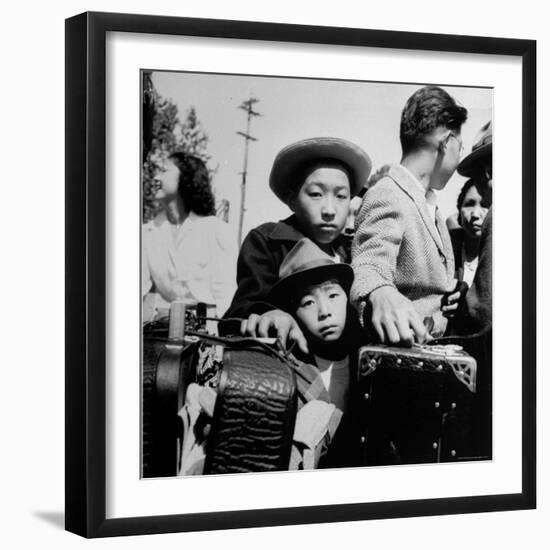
[257,272]
[378,237]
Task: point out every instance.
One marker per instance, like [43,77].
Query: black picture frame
[86,263]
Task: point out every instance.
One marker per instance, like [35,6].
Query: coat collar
[289,230]
[286,230]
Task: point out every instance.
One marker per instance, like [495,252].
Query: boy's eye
[307,303]
[334,295]
[342,196]
[314,194]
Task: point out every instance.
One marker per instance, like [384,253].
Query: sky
[366,113]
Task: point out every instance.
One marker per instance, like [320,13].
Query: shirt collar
[161,218]
[426,192]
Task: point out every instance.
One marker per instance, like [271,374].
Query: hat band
[319,262]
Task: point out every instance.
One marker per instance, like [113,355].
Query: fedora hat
[307,264]
[483,146]
[297,155]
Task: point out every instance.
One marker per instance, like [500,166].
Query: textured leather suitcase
[418,404]
[254,414]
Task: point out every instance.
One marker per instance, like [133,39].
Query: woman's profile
[188,253]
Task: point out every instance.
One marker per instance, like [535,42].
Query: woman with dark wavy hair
[188,253]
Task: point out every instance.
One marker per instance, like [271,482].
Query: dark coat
[260,257]
[457,240]
[479,300]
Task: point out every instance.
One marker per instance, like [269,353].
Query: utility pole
[248,107]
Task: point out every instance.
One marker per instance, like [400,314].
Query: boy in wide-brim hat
[316,178]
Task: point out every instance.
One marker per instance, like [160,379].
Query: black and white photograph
[316,273]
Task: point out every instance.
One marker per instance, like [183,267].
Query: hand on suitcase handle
[275,321]
[394,317]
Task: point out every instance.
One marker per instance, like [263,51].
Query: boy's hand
[275,321]
[394,317]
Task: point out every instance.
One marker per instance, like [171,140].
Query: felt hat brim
[467,166]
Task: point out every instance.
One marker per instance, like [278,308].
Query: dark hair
[427,109]
[194,184]
[482,188]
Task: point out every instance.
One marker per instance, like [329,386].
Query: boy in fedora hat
[316,178]
[313,288]
[402,253]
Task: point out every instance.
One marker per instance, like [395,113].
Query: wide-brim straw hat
[295,156]
[304,265]
[483,146]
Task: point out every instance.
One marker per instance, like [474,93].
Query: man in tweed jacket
[402,254]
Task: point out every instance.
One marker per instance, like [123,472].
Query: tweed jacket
[398,244]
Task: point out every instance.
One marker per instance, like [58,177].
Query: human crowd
[404,276]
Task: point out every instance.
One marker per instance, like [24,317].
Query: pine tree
[192,138]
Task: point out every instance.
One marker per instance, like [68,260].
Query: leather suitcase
[418,405]
[255,412]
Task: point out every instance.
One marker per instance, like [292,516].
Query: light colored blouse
[194,262]
[469,268]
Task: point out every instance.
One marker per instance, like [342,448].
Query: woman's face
[167,179]
[472,212]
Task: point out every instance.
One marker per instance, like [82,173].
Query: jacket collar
[286,230]
[289,230]
[405,180]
